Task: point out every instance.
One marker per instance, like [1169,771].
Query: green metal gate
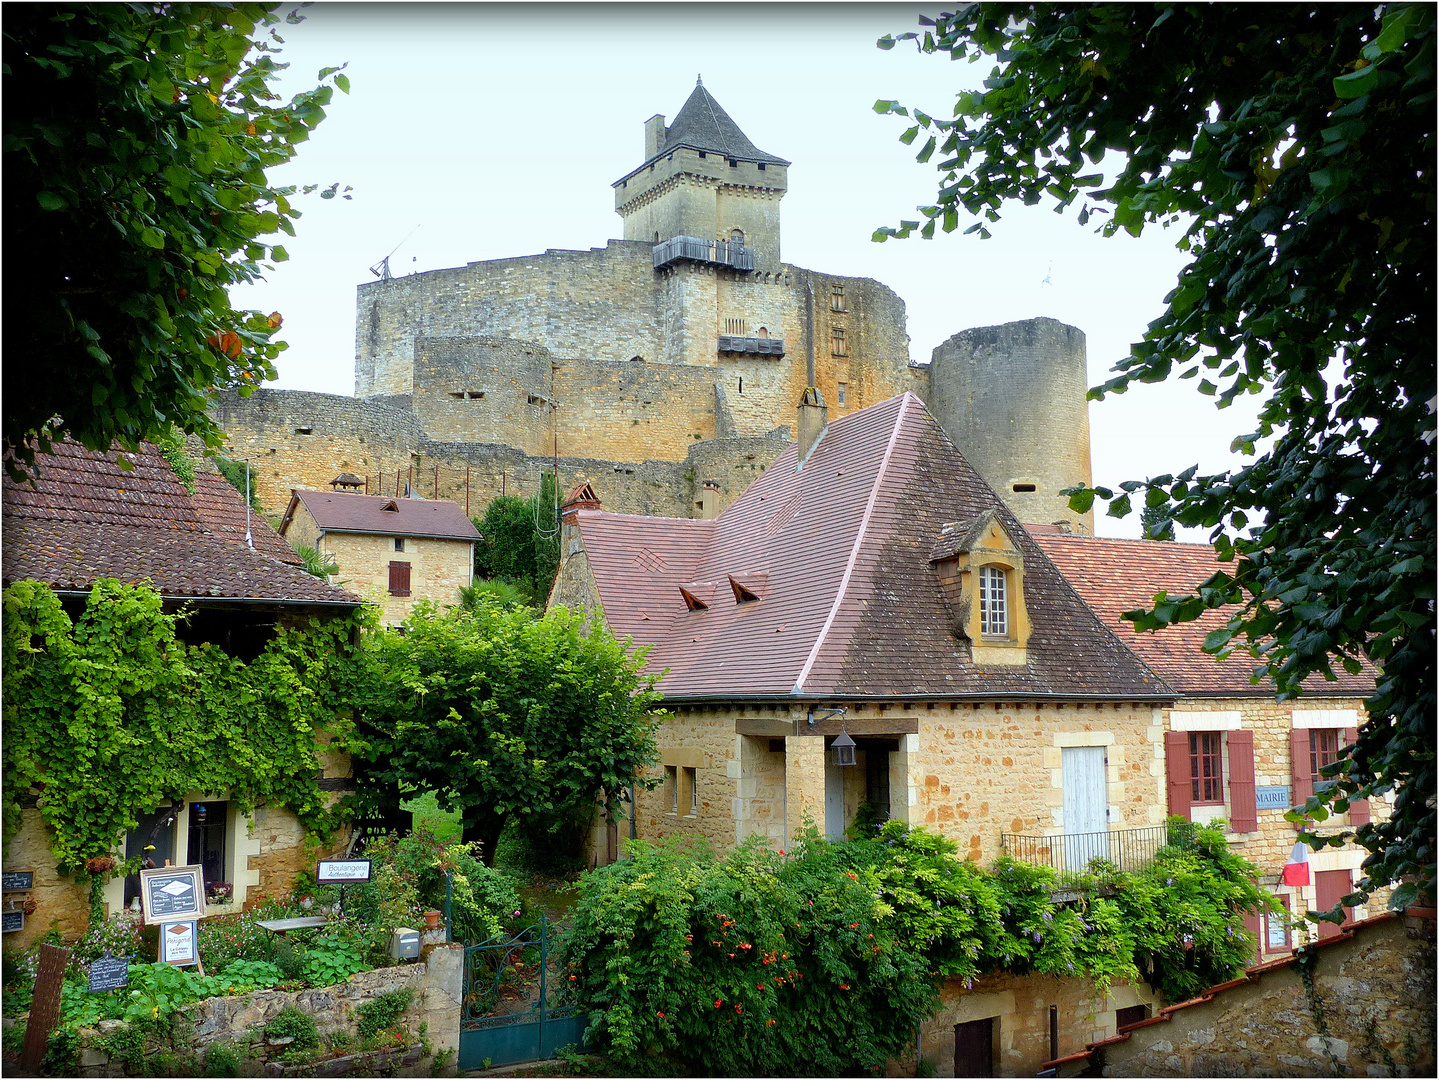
[517,1005]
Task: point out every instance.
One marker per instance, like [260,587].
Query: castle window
[736,236]
[702,155]
[1023,487]
[842,394]
[304,431]
[741,384]
[762,333]
[733,164]
[761,166]
[736,327]
[836,298]
[837,343]
[993,604]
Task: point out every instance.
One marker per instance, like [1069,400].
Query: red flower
[660,1014]
[718,1003]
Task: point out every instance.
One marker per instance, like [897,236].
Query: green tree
[505,714]
[520,541]
[1294,144]
[137,139]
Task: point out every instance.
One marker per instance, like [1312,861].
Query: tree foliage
[110,715]
[823,961]
[506,715]
[520,541]
[137,139]
[1294,146]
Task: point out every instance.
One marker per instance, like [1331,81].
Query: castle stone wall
[1012,398]
[633,411]
[484,389]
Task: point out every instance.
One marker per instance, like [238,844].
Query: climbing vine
[111,714]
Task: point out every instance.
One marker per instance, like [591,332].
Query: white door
[1086,806]
[833,798]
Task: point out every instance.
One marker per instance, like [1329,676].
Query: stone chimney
[654,135]
[813,418]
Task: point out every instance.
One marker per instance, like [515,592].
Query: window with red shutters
[399,579]
[1176,765]
[1323,750]
[1206,773]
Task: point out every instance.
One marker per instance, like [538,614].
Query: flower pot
[432,920]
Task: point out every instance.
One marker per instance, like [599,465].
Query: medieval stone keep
[662,368]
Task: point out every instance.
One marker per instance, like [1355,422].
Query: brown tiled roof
[344,511]
[839,554]
[86,518]
[1114,576]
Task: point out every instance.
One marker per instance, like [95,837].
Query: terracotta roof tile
[850,603]
[85,518]
[1114,576]
[344,511]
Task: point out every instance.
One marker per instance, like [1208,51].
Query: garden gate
[517,1004]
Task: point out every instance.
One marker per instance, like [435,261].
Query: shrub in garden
[295,1025]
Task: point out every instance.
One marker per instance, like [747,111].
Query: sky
[484,131]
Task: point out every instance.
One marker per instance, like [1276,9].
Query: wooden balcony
[713,252]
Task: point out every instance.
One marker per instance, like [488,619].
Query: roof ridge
[858,543]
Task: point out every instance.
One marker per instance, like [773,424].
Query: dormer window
[993,603]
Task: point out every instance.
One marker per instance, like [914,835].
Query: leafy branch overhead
[137,141]
[1292,149]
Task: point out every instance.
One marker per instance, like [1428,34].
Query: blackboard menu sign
[171,893]
[11,921]
[19,880]
[109,973]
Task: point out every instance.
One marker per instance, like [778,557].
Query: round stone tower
[1012,398]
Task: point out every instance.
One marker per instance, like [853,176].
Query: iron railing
[721,252]
[1070,853]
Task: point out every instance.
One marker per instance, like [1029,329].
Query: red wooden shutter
[1243,815]
[1358,808]
[1299,773]
[1176,763]
[1254,925]
[399,579]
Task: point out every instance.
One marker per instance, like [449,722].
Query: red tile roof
[86,518]
[1114,576]
[839,553]
[344,511]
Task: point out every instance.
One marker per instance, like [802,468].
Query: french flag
[1296,870]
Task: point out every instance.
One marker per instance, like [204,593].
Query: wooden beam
[888,725]
[765,729]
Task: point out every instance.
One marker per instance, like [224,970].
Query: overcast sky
[497,129]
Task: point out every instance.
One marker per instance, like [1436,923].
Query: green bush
[293,1024]
[222,1059]
[382,1013]
[331,960]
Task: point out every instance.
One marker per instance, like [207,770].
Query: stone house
[86,518]
[393,551]
[870,584]
[1231,751]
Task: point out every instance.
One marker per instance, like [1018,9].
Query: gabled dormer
[981,570]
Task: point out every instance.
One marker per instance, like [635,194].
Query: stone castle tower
[663,368]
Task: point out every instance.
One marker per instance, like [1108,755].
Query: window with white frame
[993,603]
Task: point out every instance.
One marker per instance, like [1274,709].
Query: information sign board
[109,973]
[19,880]
[12,920]
[178,943]
[342,871]
[171,893]
[1272,798]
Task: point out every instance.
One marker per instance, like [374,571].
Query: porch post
[803,784]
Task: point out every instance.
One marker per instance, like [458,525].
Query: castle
[664,368]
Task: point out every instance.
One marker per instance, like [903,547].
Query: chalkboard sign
[109,973]
[12,921]
[342,871]
[19,880]
[172,893]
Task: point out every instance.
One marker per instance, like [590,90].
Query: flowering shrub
[825,961]
[119,935]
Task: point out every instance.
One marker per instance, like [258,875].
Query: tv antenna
[381,269]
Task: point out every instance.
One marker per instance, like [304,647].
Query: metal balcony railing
[1070,853]
[718,252]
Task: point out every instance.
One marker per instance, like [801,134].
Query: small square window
[399,543]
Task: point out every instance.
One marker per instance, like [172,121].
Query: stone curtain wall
[632,411]
[514,377]
[1375,991]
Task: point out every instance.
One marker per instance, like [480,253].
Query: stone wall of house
[1374,991]
[60,900]
[436,983]
[1020,1008]
[438,569]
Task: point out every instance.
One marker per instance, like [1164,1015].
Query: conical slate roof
[703,125]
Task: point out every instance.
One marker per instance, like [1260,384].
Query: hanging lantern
[843,749]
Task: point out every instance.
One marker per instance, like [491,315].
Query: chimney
[813,418]
[654,135]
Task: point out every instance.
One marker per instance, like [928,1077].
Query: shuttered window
[1243,809]
[1323,750]
[399,579]
[1206,775]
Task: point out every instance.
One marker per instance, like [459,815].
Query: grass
[443,823]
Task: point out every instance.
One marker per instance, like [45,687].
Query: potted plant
[219,892]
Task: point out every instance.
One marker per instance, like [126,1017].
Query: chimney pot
[654,135]
[813,417]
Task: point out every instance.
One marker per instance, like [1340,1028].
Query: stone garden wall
[436,983]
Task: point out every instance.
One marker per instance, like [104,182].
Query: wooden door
[1330,886]
[974,1047]
[1086,806]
